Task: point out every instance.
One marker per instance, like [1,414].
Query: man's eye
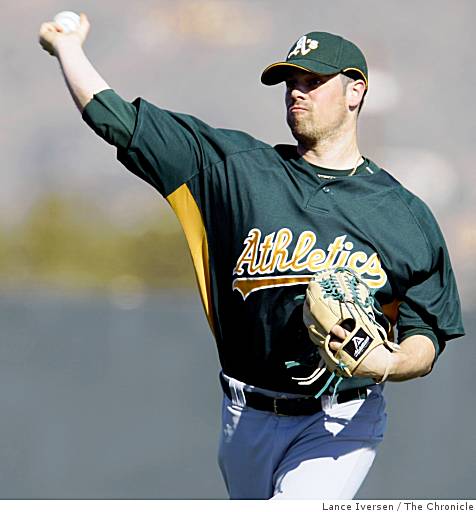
[290,84]
[314,82]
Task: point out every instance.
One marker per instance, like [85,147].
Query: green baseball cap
[322,53]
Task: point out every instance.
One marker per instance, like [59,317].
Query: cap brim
[277,72]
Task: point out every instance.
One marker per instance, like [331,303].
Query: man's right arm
[82,79]
[111,117]
[165,149]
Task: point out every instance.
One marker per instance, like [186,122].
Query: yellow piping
[276,64]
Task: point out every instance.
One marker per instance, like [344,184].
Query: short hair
[349,77]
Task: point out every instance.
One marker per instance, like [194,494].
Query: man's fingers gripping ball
[48,32]
[66,24]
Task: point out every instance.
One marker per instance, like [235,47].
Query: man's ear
[355,92]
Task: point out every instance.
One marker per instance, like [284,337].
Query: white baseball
[68,20]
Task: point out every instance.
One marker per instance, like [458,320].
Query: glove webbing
[333,289]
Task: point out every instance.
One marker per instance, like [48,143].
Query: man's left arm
[415,358]
[430,311]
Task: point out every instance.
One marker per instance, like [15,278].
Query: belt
[283,406]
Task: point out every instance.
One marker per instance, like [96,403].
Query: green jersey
[260,221]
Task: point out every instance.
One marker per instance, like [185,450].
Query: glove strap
[326,385]
[386,372]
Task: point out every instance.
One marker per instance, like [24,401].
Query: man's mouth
[297,108]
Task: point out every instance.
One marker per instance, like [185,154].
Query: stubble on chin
[309,133]
[304,131]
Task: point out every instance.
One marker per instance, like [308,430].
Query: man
[259,221]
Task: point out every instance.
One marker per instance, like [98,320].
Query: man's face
[316,106]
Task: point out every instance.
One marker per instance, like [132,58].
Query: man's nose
[297,92]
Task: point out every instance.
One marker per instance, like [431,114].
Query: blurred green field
[69,243]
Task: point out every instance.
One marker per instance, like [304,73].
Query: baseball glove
[340,296]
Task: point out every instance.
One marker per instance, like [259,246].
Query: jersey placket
[323,196]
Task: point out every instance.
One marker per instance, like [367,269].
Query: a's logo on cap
[304,46]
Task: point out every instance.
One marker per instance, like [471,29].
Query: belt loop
[277,410]
[237,392]
[326,402]
[363,393]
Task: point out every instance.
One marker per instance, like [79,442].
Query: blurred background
[108,373]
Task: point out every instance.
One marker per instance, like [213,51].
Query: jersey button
[326,190]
